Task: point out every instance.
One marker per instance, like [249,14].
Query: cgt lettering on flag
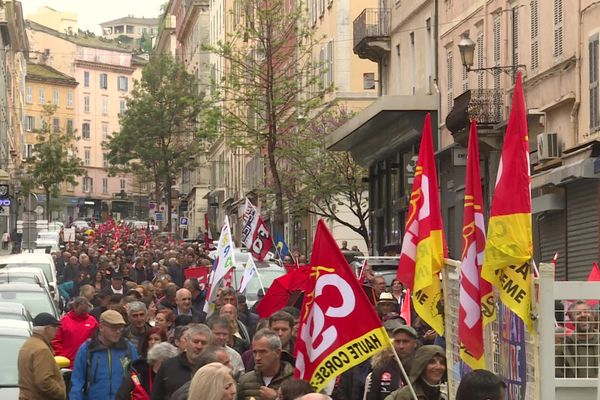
[255,235]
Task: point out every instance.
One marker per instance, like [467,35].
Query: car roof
[14,323]
[25,258]
[19,331]
[23,271]
[20,287]
[8,307]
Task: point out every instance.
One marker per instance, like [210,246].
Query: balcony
[483,105]
[372,33]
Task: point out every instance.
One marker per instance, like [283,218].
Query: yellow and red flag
[509,245]
[339,328]
[476,297]
[423,245]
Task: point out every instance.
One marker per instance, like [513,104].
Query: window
[321,7]
[496,32]
[103,81]
[122,105]
[43,125]
[534,35]
[313,12]
[86,78]
[558,28]
[122,83]
[104,160]
[412,62]
[330,67]
[69,126]
[29,98]
[104,105]
[87,156]
[129,29]
[515,36]
[104,185]
[594,100]
[369,81]
[70,187]
[29,123]
[322,66]
[55,97]
[85,131]
[104,130]
[449,73]
[87,184]
[122,184]
[55,125]
[86,104]
[480,53]
[28,150]
[42,96]
[70,99]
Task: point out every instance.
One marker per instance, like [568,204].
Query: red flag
[476,300]
[361,275]
[338,326]
[255,234]
[423,245]
[594,275]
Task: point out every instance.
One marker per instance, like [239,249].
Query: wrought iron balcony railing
[371,30]
[484,105]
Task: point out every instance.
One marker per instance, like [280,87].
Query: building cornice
[104,67]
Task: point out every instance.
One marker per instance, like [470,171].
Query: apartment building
[46,86]
[104,71]
[131,27]
[60,21]
[399,39]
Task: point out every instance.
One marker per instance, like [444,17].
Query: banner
[423,245]
[509,245]
[224,261]
[249,272]
[476,298]
[512,366]
[255,234]
[339,328]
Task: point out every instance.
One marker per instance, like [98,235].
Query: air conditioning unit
[547,146]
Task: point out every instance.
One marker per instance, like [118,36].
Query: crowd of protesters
[136,328]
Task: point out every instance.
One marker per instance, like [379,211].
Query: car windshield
[35,302]
[44,267]
[18,278]
[9,348]
[13,316]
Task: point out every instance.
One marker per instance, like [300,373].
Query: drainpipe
[436,43]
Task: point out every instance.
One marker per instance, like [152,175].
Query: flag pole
[259,280]
[404,374]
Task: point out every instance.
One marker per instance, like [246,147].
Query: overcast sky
[93,12]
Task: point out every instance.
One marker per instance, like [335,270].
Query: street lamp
[467,51]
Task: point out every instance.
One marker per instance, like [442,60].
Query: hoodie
[422,390]
[73,331]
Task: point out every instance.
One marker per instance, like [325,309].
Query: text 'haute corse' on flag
[509,245]
[339,328]
[255,234]
[476,297]
[423,245]
[223,263]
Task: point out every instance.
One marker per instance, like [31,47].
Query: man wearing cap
[102,360]
[388,377]
[39,376]
[76,327]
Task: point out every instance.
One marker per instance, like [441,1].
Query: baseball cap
[45,319]
[407,329]
[112,317]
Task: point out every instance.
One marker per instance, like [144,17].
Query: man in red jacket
[75,328]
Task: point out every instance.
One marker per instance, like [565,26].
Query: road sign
[183,222]
[4,211]
[158,216]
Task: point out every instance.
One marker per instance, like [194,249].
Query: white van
[43,261]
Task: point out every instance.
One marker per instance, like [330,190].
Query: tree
[53,161]
[269,81]
[323,181]
[158,129]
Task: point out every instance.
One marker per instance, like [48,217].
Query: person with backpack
[102,360]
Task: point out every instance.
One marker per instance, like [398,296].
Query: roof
[26,258]
[87,39]
[46,72]
[132,21]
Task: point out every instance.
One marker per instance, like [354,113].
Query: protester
[176,371]
[481,384]
[221,330]
[76,327]
[137,314]
[427,373]
[269,371]
[292,389]
[577,357]
[102,360]
[39,376]
[183,299]
[213,382]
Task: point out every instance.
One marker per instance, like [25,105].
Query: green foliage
[159,133]
[53,161]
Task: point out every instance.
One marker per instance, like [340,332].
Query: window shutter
[497,53]
[558,28]
[515,36]
[480,53]
[450,73]
[593,60]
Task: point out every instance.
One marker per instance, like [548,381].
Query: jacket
[39,376]
[387,378]
[145,374]
[98,370]
[249,384]
[173,373]
[422,357]
[73,331]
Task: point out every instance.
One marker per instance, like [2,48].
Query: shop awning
[588,168]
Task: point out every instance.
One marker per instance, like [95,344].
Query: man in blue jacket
[101,361]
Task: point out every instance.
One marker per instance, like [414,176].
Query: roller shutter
[582,227]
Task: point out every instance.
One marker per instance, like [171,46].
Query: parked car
[36,298]
[382,266]
[267,273]
[14,311]
[28,275]
[43,261]
[12,338]
[80,225]
[48,239]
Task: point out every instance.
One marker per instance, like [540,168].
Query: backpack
[138,392]
[88,365]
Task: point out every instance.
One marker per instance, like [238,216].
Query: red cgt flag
[338,326]
[255,234]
